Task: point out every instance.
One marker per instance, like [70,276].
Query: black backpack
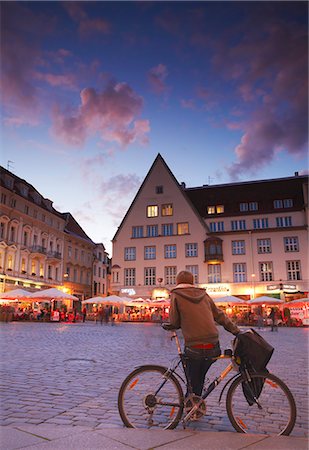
[254,353]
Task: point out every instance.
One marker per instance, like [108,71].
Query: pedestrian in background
[84,312]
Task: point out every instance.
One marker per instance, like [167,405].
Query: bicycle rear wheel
[150,398]
[277,414]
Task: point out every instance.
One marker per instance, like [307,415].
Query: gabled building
[244,239]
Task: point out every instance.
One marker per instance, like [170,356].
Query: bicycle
[256,402]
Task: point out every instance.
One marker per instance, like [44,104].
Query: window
[26,209]
[284,221]
[266,271]
[238,225]
[238,248]
[150,252]
[243,207]
[129,277]
[167,229]
[293,270]
[183,228]
[220,209]
[264,246]
[170,275]
[194,271]
[287,203]
[152,211]
[33,267]
[278,204]
[191,249]
[170,251]
[2,230]
[76,254]
[13,202]
[152,230]
[159,189]
[10,262]
[260,223]
[12,234]
[130,253]
[214,273]
[23,265]
[216,226]
[291,244]
[94,270]
[211,209]
[150,276]
[137,232]
[3,198]
[26,238]
[69,251]
[49,273]
[239,272]
[253,206]
[167,210]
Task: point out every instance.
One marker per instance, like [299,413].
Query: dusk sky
[91,92]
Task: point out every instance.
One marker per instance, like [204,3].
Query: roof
[74,229]
[264,192]
[187,199]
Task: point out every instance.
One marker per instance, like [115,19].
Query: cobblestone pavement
[70,374]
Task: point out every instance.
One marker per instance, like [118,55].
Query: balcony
[54,256]
[214,257]
[38,250]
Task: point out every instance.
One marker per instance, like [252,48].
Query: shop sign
[128,291]
[286,287]
[216,288]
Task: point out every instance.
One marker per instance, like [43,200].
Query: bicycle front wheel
[150,397]
[275,413]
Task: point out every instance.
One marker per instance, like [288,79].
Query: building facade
[245,239]
[41,247]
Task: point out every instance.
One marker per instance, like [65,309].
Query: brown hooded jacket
[195,313]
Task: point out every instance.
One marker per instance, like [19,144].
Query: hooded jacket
[196,314]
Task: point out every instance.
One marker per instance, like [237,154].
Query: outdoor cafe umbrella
[296,303]
[264,300]
[230,299]
[52,294]
[14,296]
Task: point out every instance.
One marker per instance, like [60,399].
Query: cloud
[111,113]
[56,80]
[86,25]
[272,80]
[156,78]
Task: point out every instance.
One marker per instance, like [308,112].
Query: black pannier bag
[254,353]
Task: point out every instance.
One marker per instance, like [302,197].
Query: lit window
[183,228]
[211,209]
[152,211]
[266,271]
[167,210]
[220,209]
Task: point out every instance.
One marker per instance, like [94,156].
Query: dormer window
[159,189]
[24,190]
[219,209]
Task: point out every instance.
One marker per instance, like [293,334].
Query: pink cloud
[188,104]
[156,78]
[86,25]
[112,113]
[67,80]
[273,79]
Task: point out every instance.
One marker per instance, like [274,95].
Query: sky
[91,92]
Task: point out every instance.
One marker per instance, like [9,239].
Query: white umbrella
[15,294]
[264,300]
[298,302]
[51,294]
[230,299]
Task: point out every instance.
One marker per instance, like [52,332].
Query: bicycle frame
[211,386]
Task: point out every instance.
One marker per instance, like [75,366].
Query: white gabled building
[245,239]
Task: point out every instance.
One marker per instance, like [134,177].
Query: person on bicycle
[196,314]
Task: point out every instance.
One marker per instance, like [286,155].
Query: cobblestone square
[70,374]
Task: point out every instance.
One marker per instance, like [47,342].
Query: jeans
[198,362]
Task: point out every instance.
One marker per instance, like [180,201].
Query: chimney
[296,174]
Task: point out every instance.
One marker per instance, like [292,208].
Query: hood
[190,293]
